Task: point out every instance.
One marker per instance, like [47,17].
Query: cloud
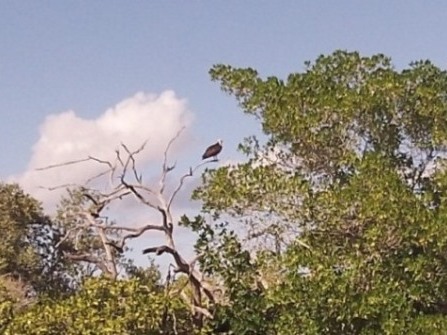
[66,137]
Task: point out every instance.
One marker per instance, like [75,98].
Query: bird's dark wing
[212,150]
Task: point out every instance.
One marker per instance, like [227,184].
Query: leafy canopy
[101,306]
[352,176]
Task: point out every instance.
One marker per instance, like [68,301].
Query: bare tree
[124,179]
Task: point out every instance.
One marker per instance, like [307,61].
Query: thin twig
[166,169]
[190,173]
[63,164]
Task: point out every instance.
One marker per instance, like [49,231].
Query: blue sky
[88,56]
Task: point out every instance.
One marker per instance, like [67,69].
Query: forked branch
[125,179]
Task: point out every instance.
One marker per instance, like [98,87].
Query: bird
[213,150]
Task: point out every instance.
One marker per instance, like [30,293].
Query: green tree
[104,306]
[24,229]
[350,181]
[29,263]
[27,252]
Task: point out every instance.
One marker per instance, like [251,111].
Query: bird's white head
[220,141]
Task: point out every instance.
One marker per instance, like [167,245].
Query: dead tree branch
[125,179]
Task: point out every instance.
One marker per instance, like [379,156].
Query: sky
[79,77]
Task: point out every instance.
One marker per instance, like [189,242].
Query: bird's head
[220,141]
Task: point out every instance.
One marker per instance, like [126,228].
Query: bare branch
[118,157]
[101,161]
[86,257]
[131,159]
[117,247]
[166,169]
[184,267]
[113,237]
[110,258]
[139,230]
[53,188]
[66,236]
[138,195]
[192,264]
[135,232]
[99,175]
[181,263]
[182,180]
[77,161]
[63,164]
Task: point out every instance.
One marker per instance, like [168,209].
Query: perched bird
[213,150]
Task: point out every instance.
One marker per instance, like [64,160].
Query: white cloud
[66,137]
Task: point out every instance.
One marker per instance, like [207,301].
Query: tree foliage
[27,253]
[353,168]
[102,306]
